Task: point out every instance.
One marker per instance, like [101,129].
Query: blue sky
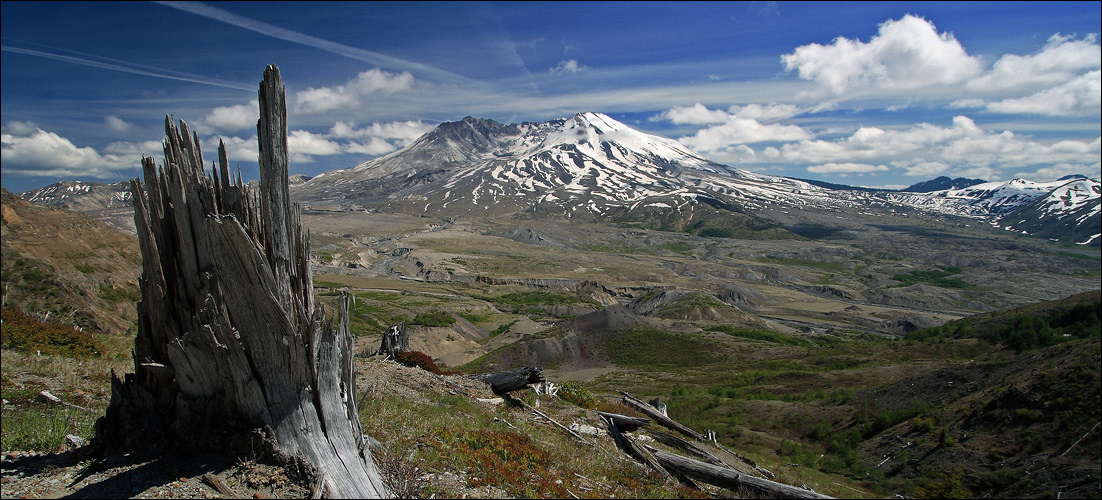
[876,94]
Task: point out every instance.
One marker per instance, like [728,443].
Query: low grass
[32,423]
[504,448]
[942,277]
[648,348]
[537,303]
[25,333]
[82,383]
[765,335]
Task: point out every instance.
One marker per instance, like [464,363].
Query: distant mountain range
[592,166]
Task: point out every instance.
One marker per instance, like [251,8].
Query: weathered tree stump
[395,340]
[230,343]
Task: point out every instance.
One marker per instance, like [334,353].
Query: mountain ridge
[594,167]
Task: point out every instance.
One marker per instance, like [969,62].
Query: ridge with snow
[593,166]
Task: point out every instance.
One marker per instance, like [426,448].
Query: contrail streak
[116,67]
[227,17]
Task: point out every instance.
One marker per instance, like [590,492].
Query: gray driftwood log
[231,347]
[660,416]
[729,478]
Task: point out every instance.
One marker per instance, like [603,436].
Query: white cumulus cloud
[373,146]
[352,93]
[43,153]
[115,123]
[234,118]
[1061,59]
[302,146]
[905,54]
[924,149]
[697,114]
[152,149]
[1079,97]
[742,131]
[739,125]
[403,132]
[238,149]
[846,168]
[20,129]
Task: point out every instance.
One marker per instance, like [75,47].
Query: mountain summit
[588,164]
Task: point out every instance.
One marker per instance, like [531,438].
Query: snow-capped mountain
[1066,209]
[1070,211]
[82,196]
[592,166]
[589,164]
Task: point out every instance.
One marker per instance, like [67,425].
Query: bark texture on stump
[229,340]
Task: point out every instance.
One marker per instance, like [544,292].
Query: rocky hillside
[68,267]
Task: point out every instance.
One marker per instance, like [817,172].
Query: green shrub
[754,334]
[652,348]
[797,453]
[434,318]
[577,394]
[946,484]
[23,333]
[418,359]
[939,278]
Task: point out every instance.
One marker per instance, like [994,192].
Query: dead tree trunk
[395,340]
[230,343]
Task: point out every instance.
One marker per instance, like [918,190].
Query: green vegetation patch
[538,302]
[125,293]
[647,348]
[764,335]
[31,424]
[1025,329]
[940,277]
[435,318]
[739,226]
[24,333]
[473,317]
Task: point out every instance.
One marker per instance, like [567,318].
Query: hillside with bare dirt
[68,266]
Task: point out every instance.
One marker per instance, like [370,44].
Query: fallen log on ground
[624,422]
[633,450]
[680,444]
[660,417]
[729,478]
[512,380]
